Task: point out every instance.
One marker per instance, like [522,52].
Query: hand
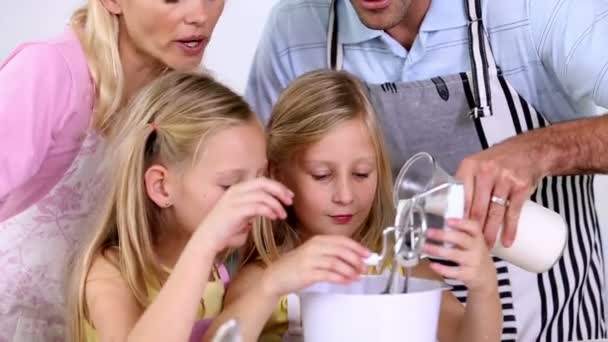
[475,267]
[335,259]
[230,220]
[509,170]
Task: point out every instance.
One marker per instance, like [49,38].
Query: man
[466,81]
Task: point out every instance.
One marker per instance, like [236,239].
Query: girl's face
[334,181]
[229,156]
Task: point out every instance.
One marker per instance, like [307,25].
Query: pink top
[46,105]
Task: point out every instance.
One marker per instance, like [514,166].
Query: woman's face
[174,33]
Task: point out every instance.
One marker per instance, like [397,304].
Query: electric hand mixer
[426,196]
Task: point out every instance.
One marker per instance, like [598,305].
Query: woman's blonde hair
[97,30]
[307,110]
[166,123]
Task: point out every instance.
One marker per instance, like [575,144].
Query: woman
[59,100]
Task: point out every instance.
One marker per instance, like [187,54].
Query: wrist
[486,288]
[486,285]
[542,152]
[207,243]
[553,152]
[268,286]
[550,157]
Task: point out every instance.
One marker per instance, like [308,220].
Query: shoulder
[300,21]
[58,66]
[113,308]
[105,268]
[504,14]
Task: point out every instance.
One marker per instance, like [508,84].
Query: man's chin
[380,19]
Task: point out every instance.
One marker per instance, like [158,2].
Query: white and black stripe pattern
[572,306]
[334,50]
[480,66]
[571,292]
[571,302]
[509,332]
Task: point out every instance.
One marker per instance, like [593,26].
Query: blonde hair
[97,30]
[166,123]
[305,112]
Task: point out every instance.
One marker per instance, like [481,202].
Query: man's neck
[407,30]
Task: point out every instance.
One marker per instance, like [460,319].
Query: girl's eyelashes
[320,177]
[361,174]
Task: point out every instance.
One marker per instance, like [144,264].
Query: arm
[34,99]
[171,316]
[481,320]
[569,36]
[269,73]
[257,291]
[249,302]
[117,316]
[573,147]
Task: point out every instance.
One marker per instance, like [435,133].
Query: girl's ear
[157,185]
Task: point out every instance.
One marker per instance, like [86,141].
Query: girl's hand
[229,222]
[335,259]
[475,266]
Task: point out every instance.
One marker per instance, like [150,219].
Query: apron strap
[293,315]
[223,274]
[335,52]
[483,65]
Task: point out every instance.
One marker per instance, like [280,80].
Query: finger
[272,187]
[319,275]
[265,199]
[512,217]
[496,212]
[484,184]
[472,228]
[337,265]
[452,254]
[346,254]
[450,272]
[345,242]
[466,174]
[254,210]
[457,238]
[335,248]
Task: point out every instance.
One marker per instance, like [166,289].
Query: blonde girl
[60,99]
[186,185]
[324,144]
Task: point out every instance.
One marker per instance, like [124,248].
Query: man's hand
[498,181]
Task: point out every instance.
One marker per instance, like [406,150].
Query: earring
[167,204]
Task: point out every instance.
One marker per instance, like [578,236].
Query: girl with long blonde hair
[186,185]
[60,99]
[325,144]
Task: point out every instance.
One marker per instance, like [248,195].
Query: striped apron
[455,116]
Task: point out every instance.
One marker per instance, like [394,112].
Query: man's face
[381,14]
